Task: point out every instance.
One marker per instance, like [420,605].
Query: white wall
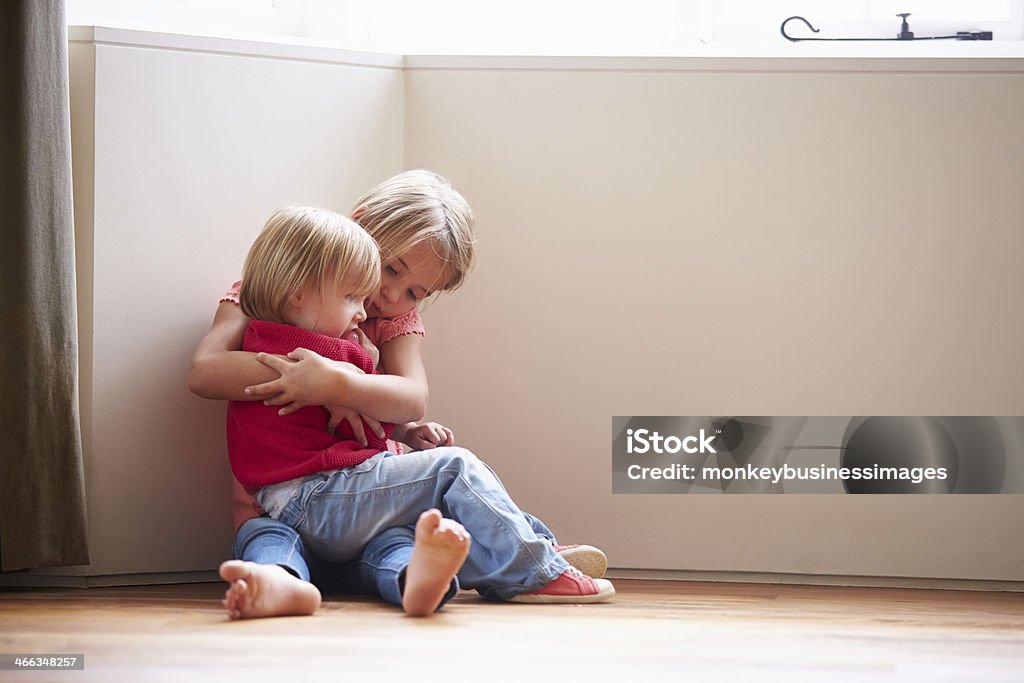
[656,237]
[192,143]
[664,237]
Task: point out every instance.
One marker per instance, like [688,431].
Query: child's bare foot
[441,547]
[266,590]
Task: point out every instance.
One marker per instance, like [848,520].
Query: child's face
[333,312]
[407,280]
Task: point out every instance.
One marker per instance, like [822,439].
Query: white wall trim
[998,57]
[19,580]
[718,64]
[298,50]
[817,580]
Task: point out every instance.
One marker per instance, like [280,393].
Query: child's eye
[390,270]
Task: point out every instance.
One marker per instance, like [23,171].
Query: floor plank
[653,630]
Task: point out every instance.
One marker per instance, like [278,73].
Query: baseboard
[818,579]
[26,580]
[17,580]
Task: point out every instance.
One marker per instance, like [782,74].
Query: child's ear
[358,214]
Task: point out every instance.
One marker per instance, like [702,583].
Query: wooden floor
[653,630]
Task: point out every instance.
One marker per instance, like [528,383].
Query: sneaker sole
[607,591]
[588,559]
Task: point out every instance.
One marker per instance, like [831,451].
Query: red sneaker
[588,559]
[571,586]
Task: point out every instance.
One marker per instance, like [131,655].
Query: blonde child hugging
[424,229]
[304,284]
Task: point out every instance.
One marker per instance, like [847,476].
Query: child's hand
[429,435]
[355,420]
[306,380]
[364,341]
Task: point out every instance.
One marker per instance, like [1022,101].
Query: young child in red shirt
[424,229]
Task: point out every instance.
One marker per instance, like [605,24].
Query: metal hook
[904,34]
[791,38]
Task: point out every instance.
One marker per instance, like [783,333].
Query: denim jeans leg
[267,541]
[385,560]
[339,512]
[339,578]
[540,528]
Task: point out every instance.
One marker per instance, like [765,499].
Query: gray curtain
[42,493]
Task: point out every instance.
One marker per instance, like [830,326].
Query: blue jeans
[379,571]
[339,513]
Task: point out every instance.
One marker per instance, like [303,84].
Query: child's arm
[404,385]
[405,382]
[220,369]
[306,379]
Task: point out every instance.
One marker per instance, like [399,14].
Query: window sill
[952,57]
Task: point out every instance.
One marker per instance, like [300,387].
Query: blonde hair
[418,206]
[302,246]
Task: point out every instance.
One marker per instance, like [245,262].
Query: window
[557,27]
[758,22]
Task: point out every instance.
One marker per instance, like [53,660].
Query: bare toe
[232,570]
[450,531]
[429,520]
[234,598]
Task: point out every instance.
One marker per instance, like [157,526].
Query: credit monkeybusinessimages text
[643,441]
[814,454]
[821,472]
